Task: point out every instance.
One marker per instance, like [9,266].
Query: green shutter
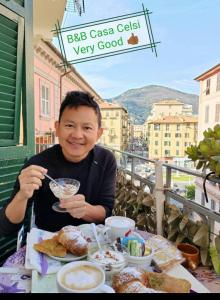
[16,91]
[11,49]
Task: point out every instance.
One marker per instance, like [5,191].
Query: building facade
[209,116]
[116,124]
[169,136]
[169,107]
[51,83]
[209,99]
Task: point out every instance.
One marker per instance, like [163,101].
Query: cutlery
[93,227]
[54,181]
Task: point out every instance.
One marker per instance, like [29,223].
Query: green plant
[190,191]
[207,153]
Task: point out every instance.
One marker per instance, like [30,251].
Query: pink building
[51,82]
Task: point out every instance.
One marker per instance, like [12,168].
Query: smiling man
[76,156]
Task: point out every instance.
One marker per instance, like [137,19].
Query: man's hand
[75,206]
[30,179]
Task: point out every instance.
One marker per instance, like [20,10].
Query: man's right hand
[30,179]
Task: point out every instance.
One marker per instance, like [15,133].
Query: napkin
[34,259]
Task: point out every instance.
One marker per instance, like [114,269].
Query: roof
[174,120]
[208,73]
[107,105]
[168,102]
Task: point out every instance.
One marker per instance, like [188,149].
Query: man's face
[78,132]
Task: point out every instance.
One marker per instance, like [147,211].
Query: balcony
[153,200]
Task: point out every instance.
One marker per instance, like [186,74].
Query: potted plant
[207,154]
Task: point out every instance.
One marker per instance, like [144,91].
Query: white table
[180,272]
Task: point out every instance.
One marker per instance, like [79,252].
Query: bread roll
[73,240]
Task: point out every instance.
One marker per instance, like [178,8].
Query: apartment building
[169,107]
[169,136]
[116,124]
[139,131]
[209,99]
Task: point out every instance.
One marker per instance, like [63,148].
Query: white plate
[69,257]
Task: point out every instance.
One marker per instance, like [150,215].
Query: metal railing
[162,188]
[159,182]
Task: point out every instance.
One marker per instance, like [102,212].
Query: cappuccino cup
[118,226]
[82,277]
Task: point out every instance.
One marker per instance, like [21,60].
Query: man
[76,156]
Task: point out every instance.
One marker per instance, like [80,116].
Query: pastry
[51,247]
[127,275]
[135,286]
[167,283]
[73,240]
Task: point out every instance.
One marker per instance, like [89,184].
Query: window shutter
[11,49]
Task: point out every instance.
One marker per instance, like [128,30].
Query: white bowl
[140,260]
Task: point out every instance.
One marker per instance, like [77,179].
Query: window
[167,134]
[178,127]
[177,144]
[208,83]
[117,113]
[156,152]
[206,114]
[177,152]
[186,135]
[186,144]
[167,127]
[156,126]
[156,143]
[156,134]
[177,135]
[45,101]
[107,114]
[217,112]
[218,82]
[166,143]
[167,152]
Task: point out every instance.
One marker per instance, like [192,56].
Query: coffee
[82,277]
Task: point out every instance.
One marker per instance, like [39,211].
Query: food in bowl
[110,260]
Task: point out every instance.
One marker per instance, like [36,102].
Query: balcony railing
[151,200]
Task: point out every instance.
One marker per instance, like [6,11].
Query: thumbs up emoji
[133,39]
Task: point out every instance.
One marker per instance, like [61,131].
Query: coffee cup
[118,226]
[191,255]
[82,277]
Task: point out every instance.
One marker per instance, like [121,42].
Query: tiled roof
[107,105]
[174,119]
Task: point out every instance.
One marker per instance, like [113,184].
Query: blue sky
[189,34]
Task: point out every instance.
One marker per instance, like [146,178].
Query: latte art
[82,278]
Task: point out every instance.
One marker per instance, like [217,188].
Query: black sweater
[96,173]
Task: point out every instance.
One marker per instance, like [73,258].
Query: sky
[188,32]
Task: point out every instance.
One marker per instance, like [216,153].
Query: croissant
[127,275]
[73,240]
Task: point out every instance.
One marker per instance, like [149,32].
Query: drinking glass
[63,188]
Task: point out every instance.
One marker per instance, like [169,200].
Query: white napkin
[32,260]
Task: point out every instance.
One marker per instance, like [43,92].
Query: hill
[138,102]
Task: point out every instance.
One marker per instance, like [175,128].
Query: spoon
[54,181]
[96,237]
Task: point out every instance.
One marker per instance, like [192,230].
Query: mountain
[138,102]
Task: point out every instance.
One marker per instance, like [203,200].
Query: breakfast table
[16,278]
